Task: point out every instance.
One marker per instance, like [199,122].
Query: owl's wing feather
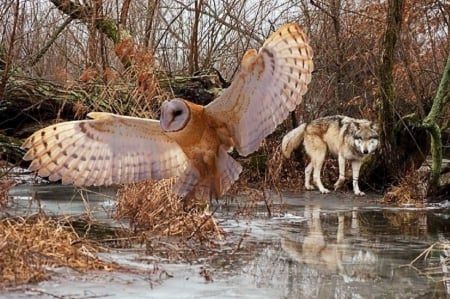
[270,84]
[107,149]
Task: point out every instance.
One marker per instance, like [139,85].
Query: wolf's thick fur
[344,137]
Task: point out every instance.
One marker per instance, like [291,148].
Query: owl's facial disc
[174,115]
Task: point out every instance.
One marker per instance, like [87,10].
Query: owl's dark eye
[177,113]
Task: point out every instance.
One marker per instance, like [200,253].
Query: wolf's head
[365,136]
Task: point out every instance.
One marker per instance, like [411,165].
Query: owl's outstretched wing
[107,149]
[270,84]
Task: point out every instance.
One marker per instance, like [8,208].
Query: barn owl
[190,141]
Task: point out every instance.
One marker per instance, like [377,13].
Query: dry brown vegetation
[91,61]
[4,187]
[161,222]
[30,247]
[151,206]
[411,190]
[425,263]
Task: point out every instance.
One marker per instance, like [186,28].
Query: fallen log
[30,103]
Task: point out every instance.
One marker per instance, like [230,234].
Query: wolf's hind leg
[316,148]
[317,165]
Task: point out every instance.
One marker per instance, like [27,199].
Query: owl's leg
[200,198]
[213,195]
[206,190]
[189,202]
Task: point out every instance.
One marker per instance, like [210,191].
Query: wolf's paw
[339,183]
[359,193]
[324,191]
[309,187]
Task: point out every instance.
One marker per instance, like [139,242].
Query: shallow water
[319,246]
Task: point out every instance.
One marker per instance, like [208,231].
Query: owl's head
[175,115]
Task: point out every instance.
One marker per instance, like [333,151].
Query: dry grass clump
[29,247]
[434,262]
[411,190]
[152,206]
[4,187]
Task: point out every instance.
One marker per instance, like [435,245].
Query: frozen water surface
[321,246]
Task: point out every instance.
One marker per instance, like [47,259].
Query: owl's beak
[165,118]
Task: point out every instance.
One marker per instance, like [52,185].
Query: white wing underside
[109,149]
[269,85]
[112,149]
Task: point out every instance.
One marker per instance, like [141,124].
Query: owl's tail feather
[187,181]
[228,171]
[292,140]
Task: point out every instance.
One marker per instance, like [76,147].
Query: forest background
[387,61]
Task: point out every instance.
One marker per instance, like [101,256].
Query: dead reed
[153,207]
[4,187]
[411,190]
[30,247]
[434,262]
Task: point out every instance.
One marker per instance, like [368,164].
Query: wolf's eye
[357,137]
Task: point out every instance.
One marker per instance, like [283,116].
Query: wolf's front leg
[356,166]
[308,172]
[341,180]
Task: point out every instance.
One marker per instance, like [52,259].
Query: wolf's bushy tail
[292,140]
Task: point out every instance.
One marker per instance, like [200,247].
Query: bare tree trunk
[336,18]
[93,36]
[193,50]
[124,12]
[5,76]
[149,37]
[333,11]
[31,102]
[388,119]
[430,123]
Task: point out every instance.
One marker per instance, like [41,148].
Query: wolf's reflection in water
[329,249]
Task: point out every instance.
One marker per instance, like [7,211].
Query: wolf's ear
[352,125]
[374,126]
[346,120]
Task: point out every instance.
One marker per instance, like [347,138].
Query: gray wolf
[344,137]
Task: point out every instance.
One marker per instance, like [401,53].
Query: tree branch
[10,51]
[52,39]
[84,13]
[430,123]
